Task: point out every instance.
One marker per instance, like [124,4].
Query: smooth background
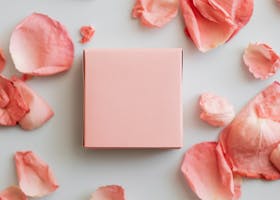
[145,174]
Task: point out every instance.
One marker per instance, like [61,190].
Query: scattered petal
[12,106]
[155,13]
[208,174]
[249,139]
[261,60]
[12,193]
[34,175]
[87,33]
[275,157]
[41,46]
[110,192]
[40,112]
[2,60]
[215,110]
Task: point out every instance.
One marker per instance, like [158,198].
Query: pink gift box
[133,98]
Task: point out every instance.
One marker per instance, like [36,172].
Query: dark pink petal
[41,46]
[87,33]
[34,175]
[275,157]
[154,13]
[2,60]
[12,193]
[110,192]
[250,138]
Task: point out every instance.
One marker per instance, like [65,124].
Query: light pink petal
[41,46]
[215,110]
[208,174]
[155,13]
[261,60]
[12,193]
[110,192]
[87,33]
[275,157]
[40,112]
[12,105]
[248,141]
[34,175]
[2,60]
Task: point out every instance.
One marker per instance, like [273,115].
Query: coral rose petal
[12,105]
[215,110]
[41,46]
[110,192]
[249,139]
[87,33]
[207,172]
[40,112]
[2,60]
[34,175]
[155,13]
[261,60]
[12,193]
[275,157]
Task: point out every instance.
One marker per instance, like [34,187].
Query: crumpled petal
[215,110]
[210,23]
[110,192]
[41,46]
[249,139]
[261,60]
[155,13]
[12,193]
[12,105]
[34,175]
[275,157]
[2,60]
[208,174]
[87,33]
[40,112]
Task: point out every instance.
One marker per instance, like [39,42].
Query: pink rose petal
[155,13]
[2,60]
[215,110]
[110,192]
[275,157]
[41,46]
[12,193]
[261,60]
[12,105]
[250,138]
[87,33]
[34,175]
[40,112]
[208,174]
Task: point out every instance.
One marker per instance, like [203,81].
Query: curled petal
[275,157]
[261,60]
[110,192]
[41,46]
[155,13]
[87,33]
[12,193]
[2,60]
[34,175]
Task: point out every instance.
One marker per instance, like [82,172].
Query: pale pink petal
[215,110]
[12,105]
[12,193]
[261,60]
[41,46]
[87,33]
[2,60]
[40,112]
[110,192]
[155,13]
[275,157]
[248,141]
[208,174]
[34,175]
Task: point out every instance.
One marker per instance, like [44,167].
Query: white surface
[146,174]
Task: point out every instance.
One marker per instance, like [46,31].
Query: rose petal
[34,175]
[41,46]
[12,193]
[40,112]
[215,110]
[208,174]
[155,13]
[12,106]
[261,60]
[248,141]
[110,192]
[2,60]
[275,157]
[87,33]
